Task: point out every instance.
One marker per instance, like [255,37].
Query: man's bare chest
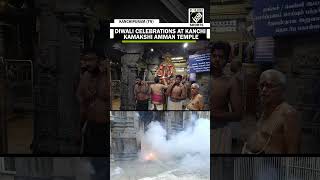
[142,89]
[272,124]
[157,87]
[220,88]
[177,90]
[97,84]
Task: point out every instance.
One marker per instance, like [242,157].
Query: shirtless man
[171,81]
[141,94]
[188,88]
[239,75]
[225,92]
[94,99]
[236,69]
[196,102]
[177,93]
[278,130]
[157,92]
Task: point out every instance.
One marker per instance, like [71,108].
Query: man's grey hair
[276,76]
[196,85]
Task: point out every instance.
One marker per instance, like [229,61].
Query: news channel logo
[196,15]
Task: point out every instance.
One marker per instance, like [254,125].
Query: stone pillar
[124,136]
[2,35]
[3,109]
[129,72]
[45,79]
[3,92]
[108,71]
[68,65]
[174,122]
[57,113]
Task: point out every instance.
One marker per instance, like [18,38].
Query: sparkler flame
[150,157]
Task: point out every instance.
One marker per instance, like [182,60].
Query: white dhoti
[158,107]
[174,105]
[185,102]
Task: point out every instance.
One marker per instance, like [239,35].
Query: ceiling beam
[177,8]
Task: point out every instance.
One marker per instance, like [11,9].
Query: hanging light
[185,45]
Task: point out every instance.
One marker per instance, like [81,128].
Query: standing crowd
[176,94]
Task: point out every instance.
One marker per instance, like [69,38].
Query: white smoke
[188,149]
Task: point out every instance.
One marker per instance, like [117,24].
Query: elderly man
[278,130]
[196,101]
[157,94]
[226,104]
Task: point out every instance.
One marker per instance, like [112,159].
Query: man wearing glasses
[278,130]
[196,102]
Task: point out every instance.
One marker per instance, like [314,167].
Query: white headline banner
[180,25]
